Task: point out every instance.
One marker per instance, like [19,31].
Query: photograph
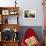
[30,14]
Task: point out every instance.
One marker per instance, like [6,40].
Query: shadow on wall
[37,29]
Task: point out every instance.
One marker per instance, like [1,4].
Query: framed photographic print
[5,12]
[29,14]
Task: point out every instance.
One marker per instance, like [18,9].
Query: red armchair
[29,34]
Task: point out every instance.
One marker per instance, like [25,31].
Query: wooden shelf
[6,13]
[5,8]
[4,25]
[9,43]
[10,26]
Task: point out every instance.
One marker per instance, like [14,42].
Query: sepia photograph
[30,14]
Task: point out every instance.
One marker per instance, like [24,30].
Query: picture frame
[29,14]
[5,12]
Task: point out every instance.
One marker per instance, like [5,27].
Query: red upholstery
[29,33]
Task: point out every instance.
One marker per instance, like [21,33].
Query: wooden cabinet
[10,43]
[6,12]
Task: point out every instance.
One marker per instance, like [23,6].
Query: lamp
[15,3]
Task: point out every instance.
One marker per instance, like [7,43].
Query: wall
[27,4]
[34,4]
[35,23]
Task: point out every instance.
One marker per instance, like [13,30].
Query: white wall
[34,4]
[27,4]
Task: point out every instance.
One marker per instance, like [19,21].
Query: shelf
[10,26]
[5,12]
[5,8]
[11,14]
[11,41]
